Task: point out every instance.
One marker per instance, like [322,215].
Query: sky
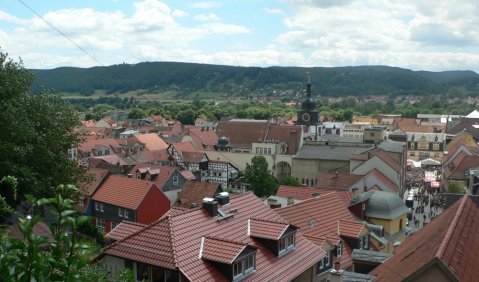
[414,34]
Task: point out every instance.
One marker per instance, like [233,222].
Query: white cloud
[205,5]
[179,14]
[319,3]
[275,11]
[207,17]
[225,29]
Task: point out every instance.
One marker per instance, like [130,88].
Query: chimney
[336,274]
[130,175]
[365,188]
[223,198]
[355,192]
[194,205]
[316,195]
[211,206]
[336,174]
[291,200]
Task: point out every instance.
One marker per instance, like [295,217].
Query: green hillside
[186,79]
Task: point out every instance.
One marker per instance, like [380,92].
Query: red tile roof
[459,165]
[388,160]
[204,139]
[123,191]
[195,191]
[349,228]
[242,133]
[124,229]
[174,242]
[319,218]
[337,181]
[221,250]
[98,175]
[451,237]
[192,157]
[290,134]
[152,141]
[302,193]
[91,143]
[379,175]
[152,156]
[266,229]
[186,146]
[159,174]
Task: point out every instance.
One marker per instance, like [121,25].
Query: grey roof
[385,205]
[341,152]
[369,256]
[339,138]
[389,145]
[349,276]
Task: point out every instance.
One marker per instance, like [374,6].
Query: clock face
[305,117]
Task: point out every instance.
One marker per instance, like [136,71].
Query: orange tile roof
[163,173]
[266,229]
[174,241]
[202,138]
[451,237]
[124,229]
[221,250]
[152,141]
[186,146]
[123,191]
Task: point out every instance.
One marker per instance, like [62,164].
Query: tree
[290,181]
[36,131]
[259,178]
[187,116]
[68,256]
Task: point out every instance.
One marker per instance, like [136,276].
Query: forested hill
[187,78]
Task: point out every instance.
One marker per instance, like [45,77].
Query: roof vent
[211,206]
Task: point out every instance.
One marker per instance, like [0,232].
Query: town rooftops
[193,192]
[122,191]
[301,193]
[336,180]
[334,151]
[175,240]
[449,242]
[152,141]
[124,229]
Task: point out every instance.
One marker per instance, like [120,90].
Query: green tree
[137,113]
[187,117]
[290,181]
[36,131]
[259,178]
[68,255]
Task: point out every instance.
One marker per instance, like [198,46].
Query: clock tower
[308,115]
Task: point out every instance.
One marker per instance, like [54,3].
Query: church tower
[308,115]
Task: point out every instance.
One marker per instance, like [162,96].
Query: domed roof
[385,205]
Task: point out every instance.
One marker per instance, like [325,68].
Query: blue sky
[415,34]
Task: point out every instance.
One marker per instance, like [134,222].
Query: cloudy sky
[415,34]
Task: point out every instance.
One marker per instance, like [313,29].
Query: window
[175,180]
[339,249]
[126,213]
[101,207]
[286,244]
[412,154]
[100,224]
[80,202]
[97,206]
[423,145]
[120,212]
[243,267]
[435,147]
[138,175]
[257,150]
[366,242]
[148,177]
[326,259]
[269,151]
[411,146]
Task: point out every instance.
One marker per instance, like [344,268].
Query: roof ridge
[225,240]
[450,230]
[270,221]
[172,241]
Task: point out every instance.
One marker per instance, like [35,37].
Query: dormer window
[244,267]
[138,175]
[148,177]
[286,244]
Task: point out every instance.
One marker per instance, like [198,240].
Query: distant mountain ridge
[187,78]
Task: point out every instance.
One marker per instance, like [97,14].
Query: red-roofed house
[455,171]
[152,141]
[444,250]
[120,198]
[243,240]
[328,222]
